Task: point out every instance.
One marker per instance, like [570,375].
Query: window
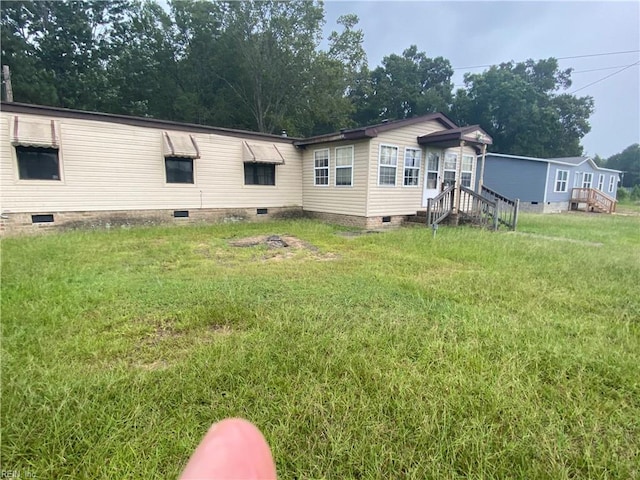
[412,161]
[344,166]
[35,163]
[612,183]
[450,167]
[467,171]
[601,182]
[259,174]
[179,169]
[586,180]
[561,180]
[388,163]
[433,167]
[451,161]
[321,167]
[449,178]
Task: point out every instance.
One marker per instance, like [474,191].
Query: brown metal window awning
[180,145]
[35,132]
[262,153]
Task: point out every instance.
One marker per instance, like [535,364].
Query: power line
[604,78]
[557,58]
[624,67]
[597,69]
[598,54]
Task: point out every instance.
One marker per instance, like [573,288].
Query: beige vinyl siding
[331,198]
[110,166]
[398,199]
[6,169]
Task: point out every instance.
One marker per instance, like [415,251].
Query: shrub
[622,194]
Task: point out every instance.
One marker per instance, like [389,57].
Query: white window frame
[343,167]
[415,168]
[447,157]
[432,157]
[612,183]
[564,183]
[393,164]
[585,183]
[463,171]
[316,168]
[601,182]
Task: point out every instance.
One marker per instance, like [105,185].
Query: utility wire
[624,67]
[604,78]
[557,58]
[597,69]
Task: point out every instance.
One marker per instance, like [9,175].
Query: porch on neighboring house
[592,200]
[448,194]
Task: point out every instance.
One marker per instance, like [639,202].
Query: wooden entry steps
[490,210]
[594,200]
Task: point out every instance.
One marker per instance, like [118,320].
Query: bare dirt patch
[282,247]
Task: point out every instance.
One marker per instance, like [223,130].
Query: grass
[390,355]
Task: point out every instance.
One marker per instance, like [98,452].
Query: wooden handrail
[479,209]
[594,198]
[485,211]
[495,195]
[440,206]
[506,209]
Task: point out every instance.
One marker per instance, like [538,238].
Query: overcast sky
[480,33]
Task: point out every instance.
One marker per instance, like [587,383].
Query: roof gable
[373,131]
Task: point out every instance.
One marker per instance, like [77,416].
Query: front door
[431,177]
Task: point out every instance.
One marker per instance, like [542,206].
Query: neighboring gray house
[551,184]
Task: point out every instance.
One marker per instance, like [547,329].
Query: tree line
[628,161]
[262,66]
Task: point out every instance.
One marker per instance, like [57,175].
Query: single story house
[68,168]
[547,184]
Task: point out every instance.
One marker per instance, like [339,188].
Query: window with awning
[36,142]
[180,145]
[35,132]
[262,153]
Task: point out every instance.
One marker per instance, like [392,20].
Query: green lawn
[388,355]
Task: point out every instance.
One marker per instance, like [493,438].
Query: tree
[518,106]
[335,76]
[30,83]
[61,48]
[404,86]
[264,60]
[142,72]
[629,162]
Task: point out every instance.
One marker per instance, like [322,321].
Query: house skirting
[532,207]
[45,221]
[556,207]
[369,223]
